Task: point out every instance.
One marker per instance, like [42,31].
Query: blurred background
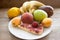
[18,3]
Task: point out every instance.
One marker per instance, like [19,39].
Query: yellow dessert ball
[16,21]
[47,22]
[13,12]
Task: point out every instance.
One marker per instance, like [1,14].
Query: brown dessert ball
[48,9]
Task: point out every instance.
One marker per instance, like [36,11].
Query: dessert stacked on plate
[33,16]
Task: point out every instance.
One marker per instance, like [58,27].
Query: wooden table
[5,35]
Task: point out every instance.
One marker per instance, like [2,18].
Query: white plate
[26,35]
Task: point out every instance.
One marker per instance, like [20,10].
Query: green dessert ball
[39,15]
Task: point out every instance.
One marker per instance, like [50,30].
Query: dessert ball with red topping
[35,24]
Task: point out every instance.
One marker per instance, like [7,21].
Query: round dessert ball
[27,18]
[39,15]
[13,12]
[47,22]
[16,21]
[48,9]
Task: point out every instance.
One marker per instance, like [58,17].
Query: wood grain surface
[18,3]
[6,35]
